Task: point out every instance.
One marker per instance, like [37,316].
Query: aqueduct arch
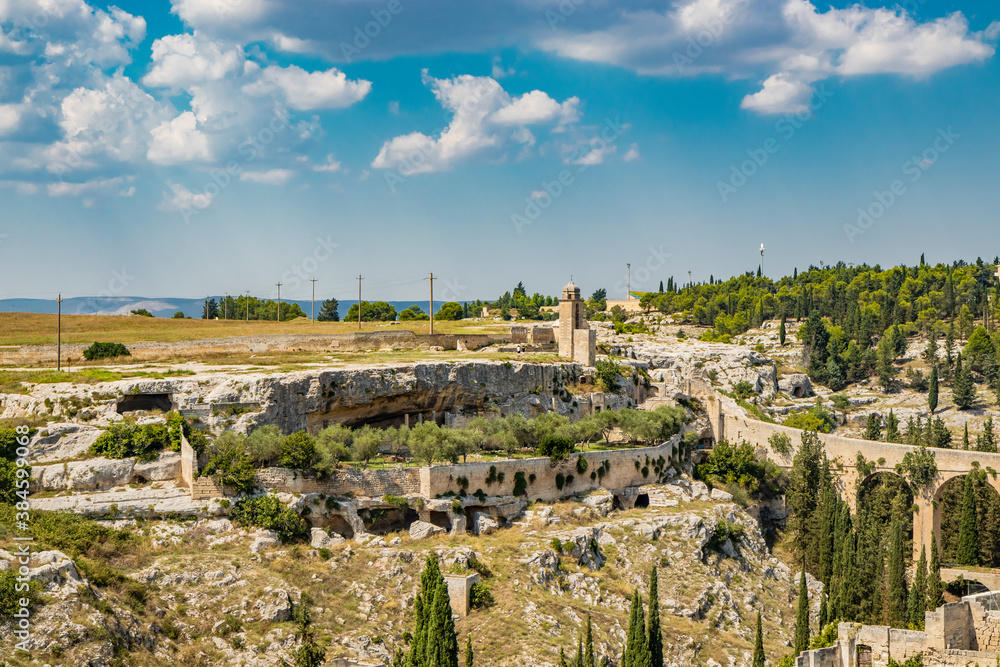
[730,421]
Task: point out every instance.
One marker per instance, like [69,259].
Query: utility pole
[248,306]
[689,279]
[431,278]
[761,260]
[360,278]
[628,288]
[313,281]
[225,307]
[279,301]
[59,335]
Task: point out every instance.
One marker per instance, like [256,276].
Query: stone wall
[623,473]
[349,481]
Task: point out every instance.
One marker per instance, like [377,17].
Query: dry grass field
[38,329]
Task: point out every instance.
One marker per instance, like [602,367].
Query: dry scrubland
[40,329]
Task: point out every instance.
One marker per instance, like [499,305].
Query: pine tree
[892,433]
[935,589]
[930,354]
[885,369]
[917,604]
[654,635]
[801,641]
[963,390]
[328,311]
[781,331]
[968,530]
[897,598]
[932,390]
[636,649]
[758,645]
[469,656]
[588,645]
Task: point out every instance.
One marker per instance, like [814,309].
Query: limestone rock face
[483,524]
[797,384]
[166,467]
[421,529]
[101,473]
[57,442]
[274,607]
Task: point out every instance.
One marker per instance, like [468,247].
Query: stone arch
[947,509]
[878,491]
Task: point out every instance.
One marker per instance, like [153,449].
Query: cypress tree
[965,438]
[873,431]
[469,657]
[636,649]
[897,599]
[418,645]
[987,441]
[918,594]
[968,531]
[932,391]
[588,645]
[801,642]
[935,589]
[892,433]
[781,331]
[562,658]
[758,645]
[823,610]
[654,635]
[578,662]
[423,609]
[963,389]
[442,642]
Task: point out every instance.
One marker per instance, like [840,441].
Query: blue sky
[203,146]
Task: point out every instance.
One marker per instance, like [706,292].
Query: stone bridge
[729,420]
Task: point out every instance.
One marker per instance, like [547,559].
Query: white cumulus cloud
[269,177]
[178,140]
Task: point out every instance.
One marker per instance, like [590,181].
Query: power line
[431,278]
[360,278]
[279,301]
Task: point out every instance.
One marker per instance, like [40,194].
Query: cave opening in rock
[147,402]
[440,519]
[617,502]
[338,524]
[381,520]
[642,500]
[797,392]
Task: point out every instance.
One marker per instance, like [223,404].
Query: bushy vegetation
[105,351]
[126,438]
[738,464]
[816,419]
[372,311]
[271,514]
[10,596]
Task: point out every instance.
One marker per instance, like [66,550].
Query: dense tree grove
[242,308]
[855,318]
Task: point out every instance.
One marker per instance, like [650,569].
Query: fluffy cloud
[180,61]
[790,44]
[178,140]
[269,177]
[181,199]
[309,90]
[482,113]
[632,153]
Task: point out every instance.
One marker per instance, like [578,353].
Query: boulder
[264,539]
[543,566]
[58,442]
[321,540]
[100,473]
[275,607]
[722,496]
[700,490]
[797,385]
[483,524]
[458,524]
[421,529]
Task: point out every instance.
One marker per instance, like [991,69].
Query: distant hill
[161,307]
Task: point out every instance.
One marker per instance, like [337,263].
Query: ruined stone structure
[577,341]
[955,634]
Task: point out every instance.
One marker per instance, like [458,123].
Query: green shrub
[10,597]
[491,476]
[815,419]
[400,503]
[175,427]
[456,507]
[556,447]
[480,596]
[298,451]
[581,464]
[124,438]
[231,466]
[520,484]
[557,545]
[106,351]
[780,443]
[743,389]
[560,481]
[271,514]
